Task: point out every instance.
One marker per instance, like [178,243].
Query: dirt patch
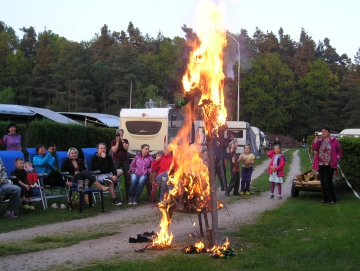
[137,220]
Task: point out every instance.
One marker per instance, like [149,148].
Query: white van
[154,126]
[355,132]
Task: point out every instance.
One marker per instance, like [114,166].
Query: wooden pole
[214,215]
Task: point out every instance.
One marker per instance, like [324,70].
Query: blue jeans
[137,184]
[13,191]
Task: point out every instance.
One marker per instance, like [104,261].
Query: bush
[350,160]
[63,135]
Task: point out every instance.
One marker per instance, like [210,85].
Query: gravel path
[133,221]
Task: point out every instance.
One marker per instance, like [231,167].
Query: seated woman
[161,166]
[140,169]
[77,169]
[46,163]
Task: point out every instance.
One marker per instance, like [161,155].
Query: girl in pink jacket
[276,170]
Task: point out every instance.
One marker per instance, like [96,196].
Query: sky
[79,20]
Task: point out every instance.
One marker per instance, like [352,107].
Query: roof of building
[94,118]
[22,110]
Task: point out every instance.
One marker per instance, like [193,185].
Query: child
[31,175]
[235,177]
[22,182]
[276,170]
[248,160]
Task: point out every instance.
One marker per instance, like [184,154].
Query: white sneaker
[54,206]
[62,206]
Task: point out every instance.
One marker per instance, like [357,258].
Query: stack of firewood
[308,178]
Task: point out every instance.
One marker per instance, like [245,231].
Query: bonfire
[192,181]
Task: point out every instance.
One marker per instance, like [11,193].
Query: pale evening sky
[79,20]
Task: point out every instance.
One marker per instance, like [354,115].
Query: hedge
[63,135]
[350,160]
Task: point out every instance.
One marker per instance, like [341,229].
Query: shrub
[350,160]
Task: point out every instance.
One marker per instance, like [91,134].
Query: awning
[13,109]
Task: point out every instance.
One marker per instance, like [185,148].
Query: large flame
[189,175]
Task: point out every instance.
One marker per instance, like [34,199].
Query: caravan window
[236,133]
[143,127]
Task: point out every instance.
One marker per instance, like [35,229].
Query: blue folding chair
[8,158]
[32,152]
[88,154]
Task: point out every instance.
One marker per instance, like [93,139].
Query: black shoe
[115,202]
[107,181]
[227,194]
[236,194]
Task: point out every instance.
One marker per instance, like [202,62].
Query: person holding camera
[119,147]
[328,153]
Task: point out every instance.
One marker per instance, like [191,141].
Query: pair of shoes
[134,201]
[31,207]
[227,194]
[271,197]
[54,206]
[107,181]
[62,206]
[247,192]
[115,202]
[242,193]
[8,214]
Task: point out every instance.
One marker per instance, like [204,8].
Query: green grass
[304,161]
[50,242]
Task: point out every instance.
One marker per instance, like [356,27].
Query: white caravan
[241,130]
[350,132]
[154,126]
[257,134]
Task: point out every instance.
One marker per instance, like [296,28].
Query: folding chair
[8,158]
[88,154]
[32,153]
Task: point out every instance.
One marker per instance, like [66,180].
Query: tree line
[286,87]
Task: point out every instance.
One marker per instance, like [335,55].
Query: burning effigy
[192,182]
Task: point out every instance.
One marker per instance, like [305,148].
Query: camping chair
[90,152]
[8,158]
[154,185]
[32,153]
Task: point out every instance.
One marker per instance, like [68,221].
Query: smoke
[231,57]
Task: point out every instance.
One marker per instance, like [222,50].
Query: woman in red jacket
[276,170]
[162,165]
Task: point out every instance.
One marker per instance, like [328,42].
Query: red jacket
[163,164]
[336,152]
[280,167]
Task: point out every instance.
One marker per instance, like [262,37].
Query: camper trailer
[355,132]
[154,126]
[241,130]
[257,135]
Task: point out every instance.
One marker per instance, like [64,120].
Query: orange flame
[190,176]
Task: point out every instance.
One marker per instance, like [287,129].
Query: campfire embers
[223,251]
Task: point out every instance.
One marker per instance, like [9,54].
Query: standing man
[119,147]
